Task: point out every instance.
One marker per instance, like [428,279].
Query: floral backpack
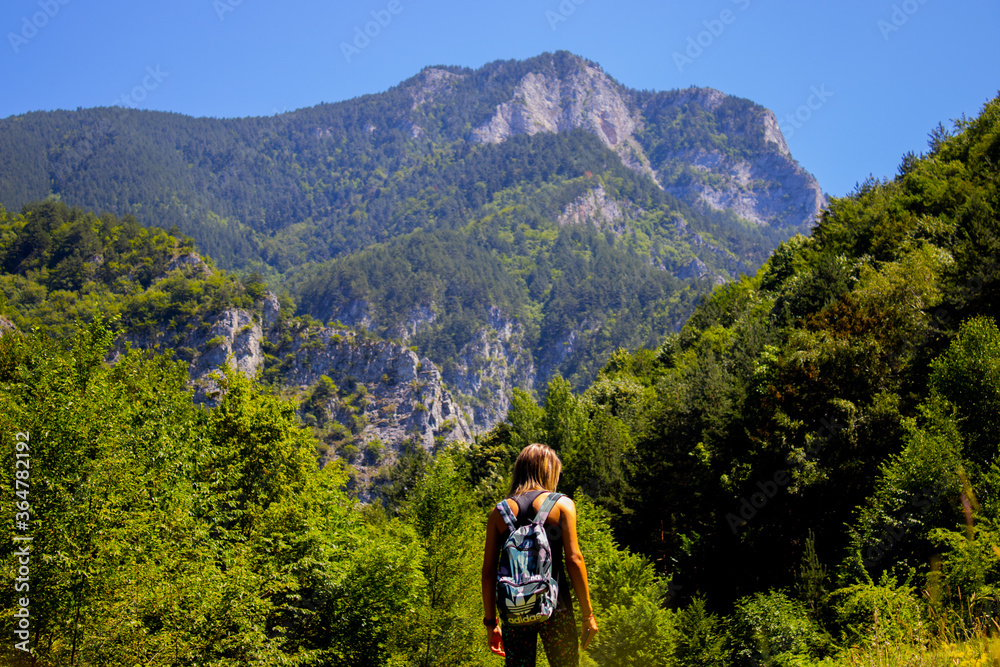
[527,591]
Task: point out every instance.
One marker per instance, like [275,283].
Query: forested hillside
[805,474]
[363,397]
[816,451]
[536,208]
[271,435]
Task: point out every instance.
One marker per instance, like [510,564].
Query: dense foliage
[807,473]
[165,534]
[818,444]
[386,203]
[62,264]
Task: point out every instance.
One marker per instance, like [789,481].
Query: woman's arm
[576,568]
[491,554]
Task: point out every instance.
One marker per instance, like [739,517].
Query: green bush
[868,614]
[771,628]
[701,639]
[643,634]
[214,342]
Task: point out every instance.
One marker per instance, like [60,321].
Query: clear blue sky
[888,70]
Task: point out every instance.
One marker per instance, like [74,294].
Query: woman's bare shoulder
[496,519]
[564,506]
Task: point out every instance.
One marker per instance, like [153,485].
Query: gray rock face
[418,318]
[404,397]
[191,262]
[270,311]
[234,336]
[587,99]
[769,189]
[432,82]
[489,367]
[596,208]
[355,314]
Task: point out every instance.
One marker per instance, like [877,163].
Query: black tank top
[525,513]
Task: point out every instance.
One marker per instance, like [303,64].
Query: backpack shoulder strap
[547,505]
[507,514]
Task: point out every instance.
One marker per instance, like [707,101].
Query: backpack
[527,591]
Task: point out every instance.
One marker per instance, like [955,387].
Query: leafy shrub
[701,641]
[642,634]
[969,571]
[869,613]
[968,375]
[771,628]
[214,342]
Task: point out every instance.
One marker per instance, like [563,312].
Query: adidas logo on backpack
[527,591]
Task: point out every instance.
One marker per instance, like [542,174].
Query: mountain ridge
[510,223]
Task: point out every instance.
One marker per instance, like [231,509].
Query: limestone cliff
[587,99]
[764,185]
[596,208]
[403,396]
[489,367]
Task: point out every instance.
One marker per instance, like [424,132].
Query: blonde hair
[536,467]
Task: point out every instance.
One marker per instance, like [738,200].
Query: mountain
[806,473]
[509,223]
[268,189]
[814,456]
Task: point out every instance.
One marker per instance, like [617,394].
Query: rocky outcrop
[431,83]
[233,337]
[587,98]
[768,190]
[418,318]
[191,263]
[766,186]
[404,397]
[356,313]
[489,367]
[596,208]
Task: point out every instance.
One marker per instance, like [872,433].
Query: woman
[536,472]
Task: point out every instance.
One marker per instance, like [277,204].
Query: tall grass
[967,635]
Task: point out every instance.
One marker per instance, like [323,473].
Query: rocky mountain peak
[585,98]
[709,99]
[431,82]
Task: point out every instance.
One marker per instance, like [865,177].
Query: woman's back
[536,474]
[525,507]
